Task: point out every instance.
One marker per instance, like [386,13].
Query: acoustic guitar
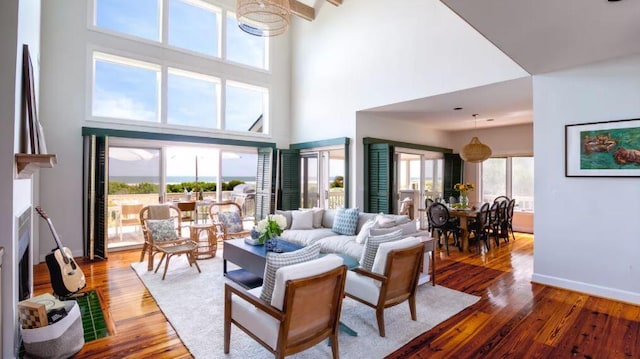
[66,276]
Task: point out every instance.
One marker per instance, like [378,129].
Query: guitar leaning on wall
[66,276]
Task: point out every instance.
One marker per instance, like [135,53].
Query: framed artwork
[32,135]
[603,149]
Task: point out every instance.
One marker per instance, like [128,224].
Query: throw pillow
[317,216]
[302,220]
[346,221]
[287,215]
[231,221]
[364,231]
[371,247]
[161,230]
[274,261]
[385,222]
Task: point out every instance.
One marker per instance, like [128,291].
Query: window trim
[508,179]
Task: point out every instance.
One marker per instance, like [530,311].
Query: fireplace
[24,261]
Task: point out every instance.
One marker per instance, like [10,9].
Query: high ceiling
[539,35]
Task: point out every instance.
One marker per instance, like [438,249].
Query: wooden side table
[207,245]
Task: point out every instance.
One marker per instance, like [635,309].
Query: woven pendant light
[263,17]
[475,151]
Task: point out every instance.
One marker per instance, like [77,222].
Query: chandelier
[263,17]
[475,151]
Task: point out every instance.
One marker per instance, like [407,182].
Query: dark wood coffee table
[250,259]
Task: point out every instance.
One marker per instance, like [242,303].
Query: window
[192,99]
[511,176]
[125,89]
[245,107]
[194,25]
[243,48]
[140,18]
[177,76]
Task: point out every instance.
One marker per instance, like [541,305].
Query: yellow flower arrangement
[464,187]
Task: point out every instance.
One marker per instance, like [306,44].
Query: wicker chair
[174,245]
[227,219]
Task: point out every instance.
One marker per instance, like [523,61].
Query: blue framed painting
[603,149]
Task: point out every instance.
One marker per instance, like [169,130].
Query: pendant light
[263,17]
[475,151]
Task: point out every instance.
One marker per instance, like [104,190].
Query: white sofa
[331,242]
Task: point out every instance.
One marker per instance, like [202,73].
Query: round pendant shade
[263,17]
[475,151]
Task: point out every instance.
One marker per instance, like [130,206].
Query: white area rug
[194,304]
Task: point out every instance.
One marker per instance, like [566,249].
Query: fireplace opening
[24,261]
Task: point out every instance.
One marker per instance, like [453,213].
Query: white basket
[58,340]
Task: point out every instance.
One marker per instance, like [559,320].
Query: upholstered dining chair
[304,309]
[392,280]
[228,220]
[163,234]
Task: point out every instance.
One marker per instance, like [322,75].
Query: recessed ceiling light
[489,119]
[457,108]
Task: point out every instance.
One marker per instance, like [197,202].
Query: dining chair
[129,213]
[442,222]
[427,203]
[392,280]
[480,228]
[188,210]
[163,234]
[303,311]
[501,199]
[494,222]
[510,209]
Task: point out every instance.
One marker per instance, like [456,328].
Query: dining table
[464,214]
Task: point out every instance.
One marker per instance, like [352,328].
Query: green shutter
[453,170]
[264,183]
[378,177]
[95,196]
[289,196]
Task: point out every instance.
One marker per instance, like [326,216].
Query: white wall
[19,24]
[66,48]
[368,53]
[586,228]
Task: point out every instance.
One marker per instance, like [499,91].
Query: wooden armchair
[392,280]
[304,310]
[227,219]
[163,234]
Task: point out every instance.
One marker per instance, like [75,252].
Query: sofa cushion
[328,217]
[363,233]
[408,228]
[302,220]
[341,244]
[305,237]
[363,218]
[371,247]
[275,261]
[346,221]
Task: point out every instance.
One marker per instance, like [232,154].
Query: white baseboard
[592,289]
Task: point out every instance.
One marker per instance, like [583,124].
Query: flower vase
[270,244]
[464,200]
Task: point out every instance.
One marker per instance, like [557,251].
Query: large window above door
[177,64]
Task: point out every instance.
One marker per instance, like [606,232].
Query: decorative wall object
[603,149]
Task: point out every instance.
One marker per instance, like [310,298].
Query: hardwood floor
[514,318]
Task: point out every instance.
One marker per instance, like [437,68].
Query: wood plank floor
[514,318]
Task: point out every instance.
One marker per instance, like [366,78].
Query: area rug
[194,304]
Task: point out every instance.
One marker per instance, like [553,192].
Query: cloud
[116,105]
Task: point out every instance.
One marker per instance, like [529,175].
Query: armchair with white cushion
[392,280]
[304,309]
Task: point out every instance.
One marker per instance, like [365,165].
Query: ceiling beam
[304,11]
[335,2]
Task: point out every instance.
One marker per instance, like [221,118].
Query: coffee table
[250,259]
